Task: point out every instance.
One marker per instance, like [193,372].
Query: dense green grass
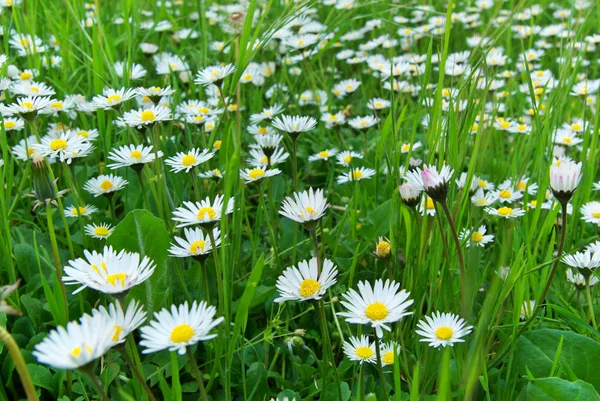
[266,349]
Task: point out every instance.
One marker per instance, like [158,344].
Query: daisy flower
[214,75]
[443,329]
[112,98]
[294,125]
[360,123]
[508,195]
[258,173]
[585,261]
[427,206]
[134,156]
[323,155]
[305,282]
[305,207]
[345,157]
[123,322]
[108,272]
[196,244]
[333,120]
[579,280]
[383,248]
[204,212]
[154,93]
[376,306]
[378,104]
[214,174]
[27,107]
[590,212]
[434,183]
[102,231]
[13,124]
[476,237]
[64,148]
[188,160]
[360,349]
[72,211]
[181,327]
[75,345]
[105,185]
[527,309]
[388,352]
[259,158]
[146,117]
[506,212]
[483,199]
[357,174]
[407,147]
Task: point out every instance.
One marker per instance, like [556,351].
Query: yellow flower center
[576,127]
[112,278]
[256,173]
[376,311]
[444,333]
[357,175]
[58,144]
[383,248]
[25,75]
[430,205]
[57,105]
[262,130]
[199,118]
[182,333]
[309,287]
[197,246]
[84,134]
[333,117]
[217,145]
[504,211]
[567,139]
[10,124]
[188,160]
[136,154]
[101,231]
[106,185]
[522,185]
[30,151]
[533,203]
[504,194]
[118,331]
[148,115]
[347,159]
[34,89]
[25,42]
[364,352]
[505,124]
[207,211]
[155,89]
[388,357]
[78,212]
[405,147]
[264,160]
[217,171]
[596,215]
[324,154]
[476,236]
[113,99]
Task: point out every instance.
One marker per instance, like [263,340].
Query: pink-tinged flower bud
[564,179]
[410,194]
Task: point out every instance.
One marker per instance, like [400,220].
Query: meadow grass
[263,348]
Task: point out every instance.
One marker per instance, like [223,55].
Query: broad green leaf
[555,389]
[40,376]
[142,232]
[536,351]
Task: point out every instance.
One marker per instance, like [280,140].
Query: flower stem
[588,294]
[218,270]
[96,383]
[197,373]
[461,261]
[56,257]
[137,373]
[313,235]
[269,225]
[19,362]
[380,369]
[143,189]
[320,307]
[294,164]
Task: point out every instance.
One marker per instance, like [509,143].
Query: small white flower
[323,155]
[72,211]
[258,173]
[181,327]
[376,306]
[564,179]
[345,157]
[305,206]
[590,212]
[132,155]
[188,160]
[214,75]
[123,322]
[443,329]
[356,174]
[104,184]
[476,237]
[506,212]
[102,231]
[360,349]
[304,282]
[294,124]
[195,244]
[146,117]
[203,212]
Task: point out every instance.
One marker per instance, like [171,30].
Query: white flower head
[442,329]
[360,349]
[305,282]
[305,207]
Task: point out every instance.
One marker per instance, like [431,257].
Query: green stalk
[588,294]
[19,362]
[56,257]
[136,372]
[96,383]
[197,373]
[269,225]
[461,261]
[380,370]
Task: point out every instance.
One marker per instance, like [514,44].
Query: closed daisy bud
[410,194]
[564,178]
[44,188]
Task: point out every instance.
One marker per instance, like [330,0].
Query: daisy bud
[436,184]
[564,178]
[409,194]
[383,249]
[43,186]
[297,341]
[5,291]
